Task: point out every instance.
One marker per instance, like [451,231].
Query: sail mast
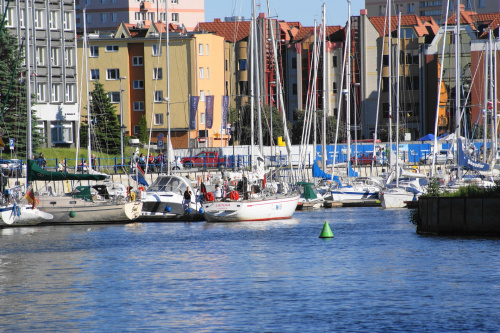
[29,136]
[348,88]
[323,127]
[167,49]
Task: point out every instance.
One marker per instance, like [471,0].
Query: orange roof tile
[231,31]
[419,23]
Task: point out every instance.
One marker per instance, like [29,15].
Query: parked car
[364,159]
[442,157]
[205,159]
[11,168]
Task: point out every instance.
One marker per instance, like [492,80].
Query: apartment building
[433,8]
[132,65]
[106,15]
[53,59]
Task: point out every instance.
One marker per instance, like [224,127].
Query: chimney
[363,12]
[217,20]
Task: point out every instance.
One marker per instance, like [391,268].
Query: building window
[61,131]
[411,8]
[94,51]
[175,17]
[294,63]
[138,106]
[111,48]
[103,2]
[202,72]
[151,16]
[56,92]
[158,119]
[334,87]
[53,19]
[175,2]
[114,97]
[21,18]
[163,17]
[41,92]
[481,4]
[202,118]
[140,16]
[202,95]
[468,4]
[200,49]
[89,18]
[138,84]
[243,64]
[40,56]
[103,17]
[137,61]
[39,19]
[55,57]
[94,74]
[207,49]
[70,92]
[9,18]
[113,17]
[67,21]
[385,84]
[208,73]
[158,96]
[156,50]
[158,73]
[68,57]
[136,129]
[112,74]
[294,89]
[334,61]
[385,110]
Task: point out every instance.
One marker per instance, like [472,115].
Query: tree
[13,93]
[143,130]
[105,128]
[331,127]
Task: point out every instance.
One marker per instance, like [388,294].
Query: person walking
[187,199]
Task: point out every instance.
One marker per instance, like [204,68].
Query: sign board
[160,136]
[159,143]
[2,145]
[201,140]
[11,144]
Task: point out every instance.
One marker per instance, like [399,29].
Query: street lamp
[122,128]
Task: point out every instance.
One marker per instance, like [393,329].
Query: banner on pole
[209,107]
[193,107]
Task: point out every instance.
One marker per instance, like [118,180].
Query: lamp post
[122,128]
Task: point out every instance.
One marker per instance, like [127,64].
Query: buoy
[72,213]
[326,232]
[168,209]
[201,210]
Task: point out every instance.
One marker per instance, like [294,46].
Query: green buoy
[72,213]
[326,232]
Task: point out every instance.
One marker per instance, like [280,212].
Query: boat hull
[395,198]
[271,208]
[68,210]
[165,207]
[22,216]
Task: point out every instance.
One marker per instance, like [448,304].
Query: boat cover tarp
[318,173]
[308,190]
[428,137]
[34,172]
[466,162]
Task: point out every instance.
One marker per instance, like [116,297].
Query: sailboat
[83,203]
[164,199]
[256,202]
[12,211]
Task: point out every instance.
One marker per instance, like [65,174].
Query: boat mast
[257,78]
[167,49]
[29,136]
[397,99]
[323,137]
[252,74]
[89,121]
[348,88]
[389,56]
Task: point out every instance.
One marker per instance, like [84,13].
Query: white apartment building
[108,14]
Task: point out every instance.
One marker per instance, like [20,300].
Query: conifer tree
[105,128]
[13,107]
[143,130]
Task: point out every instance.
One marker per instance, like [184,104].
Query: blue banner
[193,107]
[209,108]
[225,106]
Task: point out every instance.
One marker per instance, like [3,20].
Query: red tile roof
[419,23]
[231,31]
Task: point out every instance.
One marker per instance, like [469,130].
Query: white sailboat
[262,204]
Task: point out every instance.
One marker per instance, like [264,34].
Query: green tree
[105,128]
[13,93]
[331,127]
[143,130]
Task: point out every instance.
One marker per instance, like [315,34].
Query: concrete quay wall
[459,216]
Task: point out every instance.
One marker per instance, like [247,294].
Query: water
[376,275]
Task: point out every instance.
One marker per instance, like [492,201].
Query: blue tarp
[427,137]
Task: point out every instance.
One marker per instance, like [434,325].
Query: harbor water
[375,275]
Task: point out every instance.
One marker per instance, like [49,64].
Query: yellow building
[136,58]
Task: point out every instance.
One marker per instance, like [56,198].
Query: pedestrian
[187,199]
[61,167]
[41,161]
[217,192]
[93,161]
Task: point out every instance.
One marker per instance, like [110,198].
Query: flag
[209,109]
[30,196]
[225,105]
[193,107]
[140,176]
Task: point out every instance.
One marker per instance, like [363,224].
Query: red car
[365,159]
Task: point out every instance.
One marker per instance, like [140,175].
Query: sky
[304,11]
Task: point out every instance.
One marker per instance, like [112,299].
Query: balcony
[145,6]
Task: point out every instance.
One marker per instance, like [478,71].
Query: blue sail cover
[318,173]
[467,163]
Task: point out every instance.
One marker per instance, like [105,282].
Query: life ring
[210,196]
[141,188]
[413,170]
[234,195]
